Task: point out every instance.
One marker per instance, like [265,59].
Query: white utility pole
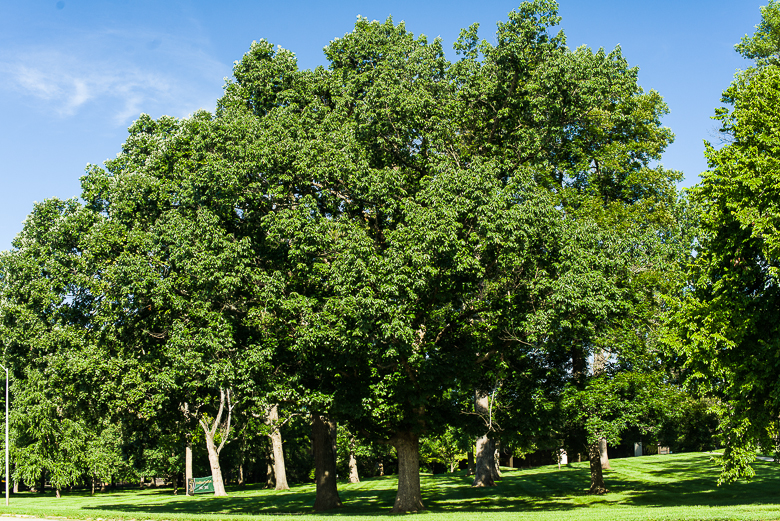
[7,452]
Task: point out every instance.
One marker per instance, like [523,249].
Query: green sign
[200,486]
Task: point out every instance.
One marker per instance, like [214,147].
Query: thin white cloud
[34,81]
[112,71]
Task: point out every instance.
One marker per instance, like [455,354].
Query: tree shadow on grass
[680,484]
[683,480]
[443,493]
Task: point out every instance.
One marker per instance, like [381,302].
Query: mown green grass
[677,486]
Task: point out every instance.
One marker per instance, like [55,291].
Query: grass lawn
[676,486]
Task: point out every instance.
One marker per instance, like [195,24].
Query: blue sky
[75,73]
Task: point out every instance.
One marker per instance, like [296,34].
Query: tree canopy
[379,243]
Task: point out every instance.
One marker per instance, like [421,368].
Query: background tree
[726,323]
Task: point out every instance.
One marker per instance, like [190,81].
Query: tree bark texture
[280,475]
[216,471]
[324,463]
[596,477]
[334,436]
[472,468]
[408,497]
[604,454]
[485,471]
[269,471]
[485,464]
[353,470]
[495,467]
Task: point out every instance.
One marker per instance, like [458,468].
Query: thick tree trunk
[216,471]
[485,466]
[324,464]
[280,475]
[408,498]
[604,454]
[353,470]
[596,477]
[188,465]
[16,487]
[43,482]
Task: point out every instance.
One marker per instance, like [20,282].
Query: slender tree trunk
[280,475]
[324,464]
[43,482]
[241,474]
[188,465]
[353,470]
[472,468]
[334,437]
[175,481]
[408,498]
[596,477]
[58,492]
[223,427]
[604,454]
[16,486]
[269,471]
[496,456]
